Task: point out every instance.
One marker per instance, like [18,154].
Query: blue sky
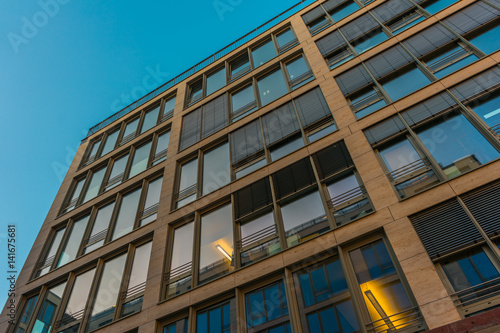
[67,64]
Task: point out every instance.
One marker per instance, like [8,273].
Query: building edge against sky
[338,170]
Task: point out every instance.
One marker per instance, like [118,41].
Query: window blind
[330,43]
[388,61]
[471,17]
[313,14]
[190,131]
[215,116]
[311,107]
[428,108]
[332,159]
[384,130]
[485,82]
[293,178]
[353,80]
[331,4]
[252,197]
[246,141]
[360,26]
[444,228]
[484,204]
[429,40]
[390,9]
[280,123]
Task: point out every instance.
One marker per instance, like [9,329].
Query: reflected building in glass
[335,170]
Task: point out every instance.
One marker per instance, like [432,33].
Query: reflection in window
[110,142]
[70,250]
[46,263]
[488,109]
[217,319]
[150,119]
[168,109]
[106,297]
[95,185]
[216,168]
[216,244]
[180,274]
[100,228]
[488,41]
[216,80]
[93,152]
[368,41]
[195,91]
[285,147]
[187,183]
[304,218]
[77,300]
[239,66]
[456,145]
[271,87]
[180,326]
[263,53]
[150,211]
[243,102]
[404,83]
[344,10]
[450,61]
[117,172]
[259,238]
[29,306]
[132,301]
[434,6]
[46,314]
[265,305]
[76,194]
[127,214]
[161,148]
[367,101]
[286,40]
[325,298]
[130,131]
[140,161]
[383,294]
[298,72]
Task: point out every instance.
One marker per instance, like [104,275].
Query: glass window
[344,10]
[450,60]
[239,66]
[187,183]
[70,250]
[46,314]
[176,327]
[75,307]
[298,72]
[259,238]
[488,41]
[127,214]
[383,294]
[368,41]
[367,102]
[251,168]
[168,109]
[216,244]
[404,83]
[318,24]
[304,218]
[130,130]
[93,152]
[161,148]
[195,91]
[137,280]
[325,298]
[243,102]
[100,228]
[286,40]
[76,194]
[51,252]
[216,80]
[217,319]
[95,185]
[456,145]
[266,304]
[140,161]
[180,274]
[488,109]
[150,119]
[216,168]
[263,53]
[286,147]
[434,6]
[151,203]
[108,290]
[271,87]
[405,21]
[117,172]
[110,142]
[29,306]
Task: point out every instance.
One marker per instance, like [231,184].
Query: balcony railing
[478,297]
[405,321]
[203,64]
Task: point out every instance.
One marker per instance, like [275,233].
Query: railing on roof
[202,64]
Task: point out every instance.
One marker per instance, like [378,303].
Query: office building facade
[336,170]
